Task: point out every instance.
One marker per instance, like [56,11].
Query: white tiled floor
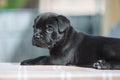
[14,71]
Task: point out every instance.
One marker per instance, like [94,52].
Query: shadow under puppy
[69,47]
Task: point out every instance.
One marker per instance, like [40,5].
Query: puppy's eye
[49,29]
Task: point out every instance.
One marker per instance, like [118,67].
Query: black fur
[69,47]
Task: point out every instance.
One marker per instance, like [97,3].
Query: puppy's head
[49,28]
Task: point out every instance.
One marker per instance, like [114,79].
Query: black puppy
[69,47]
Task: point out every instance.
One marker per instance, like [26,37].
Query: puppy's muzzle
[38,36]
[38,40]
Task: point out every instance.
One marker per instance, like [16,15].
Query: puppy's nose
[38,36]
[41,36]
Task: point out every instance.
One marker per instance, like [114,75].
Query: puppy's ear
[63,23]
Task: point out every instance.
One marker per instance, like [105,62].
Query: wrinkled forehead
[45,19]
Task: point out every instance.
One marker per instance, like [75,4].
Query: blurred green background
[12,4]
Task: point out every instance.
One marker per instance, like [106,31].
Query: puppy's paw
[26,62]
[101,65]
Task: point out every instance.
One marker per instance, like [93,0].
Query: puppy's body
[84,50]
[69,47]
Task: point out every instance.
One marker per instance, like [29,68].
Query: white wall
[16,35]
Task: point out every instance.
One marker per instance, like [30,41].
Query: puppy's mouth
[40,44]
